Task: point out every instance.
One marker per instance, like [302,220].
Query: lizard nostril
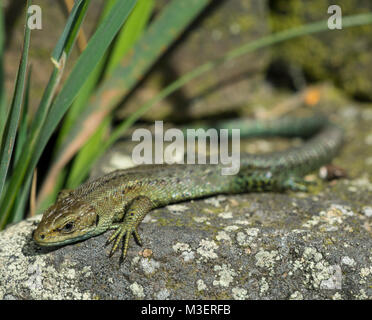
[42,236]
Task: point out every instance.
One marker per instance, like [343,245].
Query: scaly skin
[121,199]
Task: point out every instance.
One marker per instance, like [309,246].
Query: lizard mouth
[49,243]
[39,238]
[43,240]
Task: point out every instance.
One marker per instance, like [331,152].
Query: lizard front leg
[137,210]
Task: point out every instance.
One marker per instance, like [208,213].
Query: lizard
[121,199]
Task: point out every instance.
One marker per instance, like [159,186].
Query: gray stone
[299,249]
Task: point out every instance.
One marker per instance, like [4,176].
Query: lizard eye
[68,227]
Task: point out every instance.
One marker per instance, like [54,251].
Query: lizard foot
[123,232]
[134,215]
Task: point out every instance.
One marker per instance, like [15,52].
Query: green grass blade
[3,106]
[80,103]
[130,33]
[59,57]
[58,184]
[71,29]
[94,51]
[15,111]
[22,197]
[85,157]
[127,37]
[107,8]
[17,178]
[48,191]
[52,85]
[173,19]
[84,66]
[20,205]
[167,27]
[23,125]
[49,187]
[85,92]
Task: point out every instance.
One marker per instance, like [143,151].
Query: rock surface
[239,247]
[315,245]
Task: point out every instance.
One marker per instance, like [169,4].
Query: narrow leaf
[83,68]
[130,33]
[71,29]
[93,53]
[18,175]
[77,107]
[170,23]
[15,111]
[3,106]
[20,205]
[127,37]
[84,158]
[23,126]
[85,92]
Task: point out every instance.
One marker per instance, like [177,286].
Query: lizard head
[68,220]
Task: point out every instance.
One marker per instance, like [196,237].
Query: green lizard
[121,199]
